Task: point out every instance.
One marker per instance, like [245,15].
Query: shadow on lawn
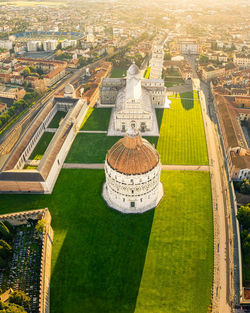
[186,103]
[101,262]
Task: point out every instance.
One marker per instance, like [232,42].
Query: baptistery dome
[132,155]
[132,170]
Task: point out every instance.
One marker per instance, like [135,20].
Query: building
[68,43]
[50,45]
[211,71]
[6,44]
[132,170]
[14,177]
[134,99]
[242,60]
[156,62]
[189,47]
[33,45]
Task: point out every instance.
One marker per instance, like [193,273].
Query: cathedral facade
[134,100]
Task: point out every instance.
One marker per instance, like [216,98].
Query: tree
[2,263]
[245,186]
[4,231]
[26,72]
[5,245]
[2,305]
[20,298]
[32,69]
[244,216]
[40,226]
[14,308]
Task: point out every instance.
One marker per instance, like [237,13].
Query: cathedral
[134,99]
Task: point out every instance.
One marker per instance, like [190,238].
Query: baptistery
[132,171]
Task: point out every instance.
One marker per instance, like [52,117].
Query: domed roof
[69,89]
[132,155]
[133,70]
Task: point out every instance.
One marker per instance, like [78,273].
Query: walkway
[185,167]
[164,167]
[84,165]
[93,131]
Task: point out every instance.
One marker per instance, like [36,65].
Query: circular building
[132,170]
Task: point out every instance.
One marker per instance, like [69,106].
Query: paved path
[185,167]
[84,165]
[164,167]
[221,280]
[51,130]
[93,131]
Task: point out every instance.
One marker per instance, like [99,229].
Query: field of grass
[92,148]
[98,120]
[118,72]
[104,261]
[178,270]
[41,146]
[147,73]
[30,167]
[182,136]
[56,119]
[173,82]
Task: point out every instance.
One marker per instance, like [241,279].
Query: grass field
[98,120]
[92,148]
[182,137]
[56,119]
[41,146]
[178,270]
[118,72]
[173,82]
[104,261]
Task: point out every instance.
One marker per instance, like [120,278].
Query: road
[222,292]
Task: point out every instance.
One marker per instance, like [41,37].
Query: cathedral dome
[133,70]
[132,155]
[69,91]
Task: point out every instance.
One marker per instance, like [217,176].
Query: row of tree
[243,216]
[19,106]
[243,186]
[6,235]
[18,301]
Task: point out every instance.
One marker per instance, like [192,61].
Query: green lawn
[118,72]
[182,137]
[147,72]
[178,270]
[105,261]
[92,148]
[41,146]
[173,82]
[98,120]
[56,119]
